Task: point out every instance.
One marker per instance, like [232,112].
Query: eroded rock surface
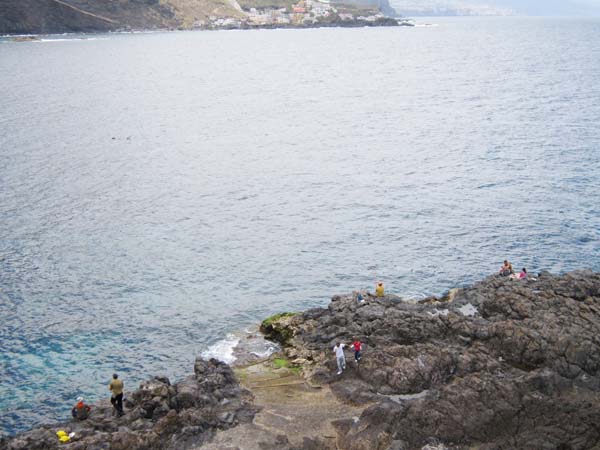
[504,364]
[292,414]
[158,416]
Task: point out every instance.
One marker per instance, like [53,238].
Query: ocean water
[161,191]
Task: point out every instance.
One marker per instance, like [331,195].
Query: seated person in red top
[520,276]
[80,411]
[357,346]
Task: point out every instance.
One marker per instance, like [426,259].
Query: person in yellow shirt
[379,289]
[116,388]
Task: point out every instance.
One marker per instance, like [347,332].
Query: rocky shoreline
[159,415]
[357,23]
[502,364]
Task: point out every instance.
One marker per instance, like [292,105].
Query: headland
[29,17]
[500,364]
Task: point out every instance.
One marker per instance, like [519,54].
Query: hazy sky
[551,7]
[525,7]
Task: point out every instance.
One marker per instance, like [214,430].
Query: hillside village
[304,13]
[82,16]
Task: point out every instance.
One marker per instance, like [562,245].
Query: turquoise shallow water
[158,191]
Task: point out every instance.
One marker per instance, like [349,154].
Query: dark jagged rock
[159,416]
[503,364]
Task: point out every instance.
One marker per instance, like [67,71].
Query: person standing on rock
[340,357]
[379,289]
[116,388]
[357,346]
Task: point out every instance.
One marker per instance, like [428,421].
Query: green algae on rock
[275,327]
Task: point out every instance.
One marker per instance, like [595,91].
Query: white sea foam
[254,343]
[265,353]
[70,39]
[223,349]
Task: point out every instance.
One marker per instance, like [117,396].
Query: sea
[162,193]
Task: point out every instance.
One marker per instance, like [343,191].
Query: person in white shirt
[340,357]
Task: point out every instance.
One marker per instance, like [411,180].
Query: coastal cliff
[63,16]
[502,364]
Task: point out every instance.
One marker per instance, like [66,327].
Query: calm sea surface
[159,191]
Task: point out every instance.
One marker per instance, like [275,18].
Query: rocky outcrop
[159,416]
[503,364]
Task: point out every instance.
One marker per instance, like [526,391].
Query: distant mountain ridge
[61,16]
[450,8]
[496,7]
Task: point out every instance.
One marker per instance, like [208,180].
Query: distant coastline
[56,17]
[356,23]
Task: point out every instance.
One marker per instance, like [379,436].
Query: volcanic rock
[159,416]
[503,364]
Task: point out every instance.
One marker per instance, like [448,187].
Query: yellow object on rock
[379,290]
[63,436]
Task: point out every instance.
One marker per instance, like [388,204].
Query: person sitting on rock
[379,289]
[80,411]
[506,269]
[359,298]
[340,358]
[520,276]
